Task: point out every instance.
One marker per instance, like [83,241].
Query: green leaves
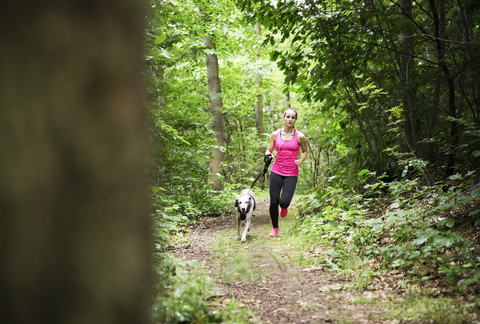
[359,60]
[412,234]
[159,39]
[372,158]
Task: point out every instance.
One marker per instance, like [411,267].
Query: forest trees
[184,136]
[405,71]
[182,131]
[387,85]
[381,87]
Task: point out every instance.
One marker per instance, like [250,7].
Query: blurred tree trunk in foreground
[74,225]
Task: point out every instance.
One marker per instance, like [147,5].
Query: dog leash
[268,159]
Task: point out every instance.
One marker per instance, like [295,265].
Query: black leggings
[277,182]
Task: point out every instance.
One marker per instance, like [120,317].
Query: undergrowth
[425,232]
[419,308]
[182,289]
[183,294]
[419,230]
[172,213]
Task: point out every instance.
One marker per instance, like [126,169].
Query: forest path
[260,276]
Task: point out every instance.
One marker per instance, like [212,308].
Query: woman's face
[290,118]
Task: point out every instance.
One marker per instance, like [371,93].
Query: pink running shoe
[274,232]
[284,212]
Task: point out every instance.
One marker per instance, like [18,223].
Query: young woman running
[284,174]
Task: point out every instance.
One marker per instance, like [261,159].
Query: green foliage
[181,136]
[171,213]
[414,232]
[182,295]
[168,216]
[356,62]
[378,136]
[233,313]
[418,308]
[179,103]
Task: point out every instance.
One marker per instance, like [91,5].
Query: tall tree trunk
[439,19]
[287,100]
[406,67]
[467,12]
[74,225]
[216,105]
[258,82]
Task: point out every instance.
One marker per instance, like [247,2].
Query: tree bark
[439,19]
[258,82]
[287,100]
[467,14]
[216,105]
[74,225]
[409,92]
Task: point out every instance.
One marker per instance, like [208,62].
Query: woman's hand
[268,157]
[298,162]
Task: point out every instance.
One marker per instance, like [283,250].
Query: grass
[234,313]
[279,260]
[362,300]
[297,247]
[235,264]
[419,308]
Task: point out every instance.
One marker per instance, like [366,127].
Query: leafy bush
[415,230]
[183,294]
[181,288]
[171,213]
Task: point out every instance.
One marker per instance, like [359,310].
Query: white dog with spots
[245,205]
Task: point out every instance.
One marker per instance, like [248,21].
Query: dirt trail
[280,292]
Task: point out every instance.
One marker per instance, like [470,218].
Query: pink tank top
[287,153]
